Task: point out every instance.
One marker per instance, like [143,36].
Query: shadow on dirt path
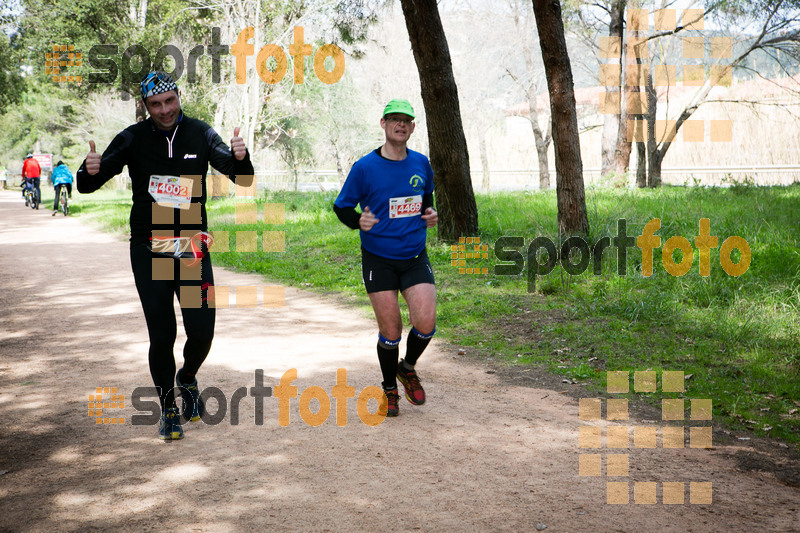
[481,455]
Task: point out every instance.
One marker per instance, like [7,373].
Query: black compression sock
[416,344]
[388,353]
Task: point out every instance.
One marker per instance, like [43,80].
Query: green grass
[736,336]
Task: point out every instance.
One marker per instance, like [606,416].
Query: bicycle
[63,201]
[31,198]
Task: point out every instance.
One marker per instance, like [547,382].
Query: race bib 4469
[405,206]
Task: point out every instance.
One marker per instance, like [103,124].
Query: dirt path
[481,455]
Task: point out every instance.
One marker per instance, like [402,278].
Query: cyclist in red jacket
[31,172]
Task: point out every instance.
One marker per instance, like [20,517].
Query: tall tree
[11,81]
[572,217]
[455,200]
[613,81]
[522,15]
[776,25]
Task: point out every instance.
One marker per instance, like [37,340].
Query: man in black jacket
[168,157]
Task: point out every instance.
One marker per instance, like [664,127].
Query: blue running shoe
[193,406]
[170,426]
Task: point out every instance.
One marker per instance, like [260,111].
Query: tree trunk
[654,155]
[572,216]
[653,168]
[542,143]
[641,165]
[632,66]
[455,200]
[485,183]
[141,110]
[613,123]
[339,166]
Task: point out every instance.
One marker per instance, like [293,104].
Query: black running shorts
[381,274]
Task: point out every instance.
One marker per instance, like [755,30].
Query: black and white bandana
[157,83]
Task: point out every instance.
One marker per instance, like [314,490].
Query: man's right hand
[92,160]
[367,220]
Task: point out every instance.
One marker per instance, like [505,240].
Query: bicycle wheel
[34,200]
[64,201]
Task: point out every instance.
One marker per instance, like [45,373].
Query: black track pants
[157,295]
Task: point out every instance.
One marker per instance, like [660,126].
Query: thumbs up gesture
[92,160]
[237,145]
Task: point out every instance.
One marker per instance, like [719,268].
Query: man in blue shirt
[394,187]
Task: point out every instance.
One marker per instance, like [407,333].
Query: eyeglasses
[400,118]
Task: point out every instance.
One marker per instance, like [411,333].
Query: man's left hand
[431,217]
[237,145]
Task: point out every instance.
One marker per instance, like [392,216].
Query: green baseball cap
[399,106]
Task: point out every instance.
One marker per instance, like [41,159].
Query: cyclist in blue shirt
[394,187]
[61,177]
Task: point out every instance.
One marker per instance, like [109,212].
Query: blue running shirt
[393,191]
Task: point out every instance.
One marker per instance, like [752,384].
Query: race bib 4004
[406,206]
[172,191]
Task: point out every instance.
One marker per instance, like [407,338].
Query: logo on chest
[417,182]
